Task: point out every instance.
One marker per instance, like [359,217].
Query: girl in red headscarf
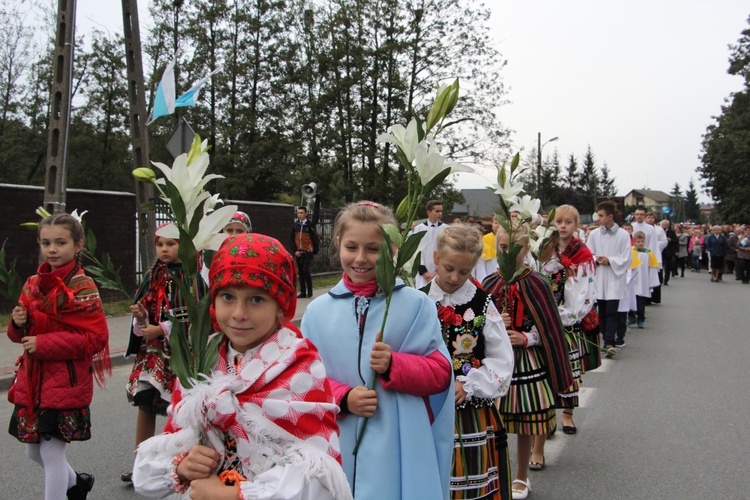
[265,418]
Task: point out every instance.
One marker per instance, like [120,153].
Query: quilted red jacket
[69,331]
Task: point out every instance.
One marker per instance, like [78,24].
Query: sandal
[536,465]
[523,494]
[569,429]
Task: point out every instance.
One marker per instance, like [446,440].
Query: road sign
[181,139]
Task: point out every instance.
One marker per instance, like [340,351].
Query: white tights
[59,476]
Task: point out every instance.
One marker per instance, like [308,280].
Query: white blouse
[492,379]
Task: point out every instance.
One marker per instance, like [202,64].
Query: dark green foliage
[726,144]
[305,90]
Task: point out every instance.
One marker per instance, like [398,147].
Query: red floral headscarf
[258,261]
[242,219]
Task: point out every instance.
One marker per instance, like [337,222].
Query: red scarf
[576,254]
[366,289]
[283,384]
[63,299]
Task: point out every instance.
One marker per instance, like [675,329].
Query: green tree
[726,143]
[588,182]
[606,183]
[571,173]
[692,206]
[98,156]
[677,202]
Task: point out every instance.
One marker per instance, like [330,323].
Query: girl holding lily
[541,367]
[409,413]
[157,300]
[482,358]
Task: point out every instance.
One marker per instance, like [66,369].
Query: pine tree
[692,206]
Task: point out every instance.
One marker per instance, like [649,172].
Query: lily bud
[443,100]
[144,174]
[403,209]
[454,97]
[42,212]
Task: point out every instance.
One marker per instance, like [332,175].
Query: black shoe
[309,295]
[301,295]
[127,477]
[620,343]
[84,484]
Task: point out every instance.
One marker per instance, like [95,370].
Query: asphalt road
[667,418]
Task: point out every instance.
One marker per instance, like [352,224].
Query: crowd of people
[402,395]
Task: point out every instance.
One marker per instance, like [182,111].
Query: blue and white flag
[164,102]
[191,96]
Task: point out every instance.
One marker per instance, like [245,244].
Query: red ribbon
[515,304]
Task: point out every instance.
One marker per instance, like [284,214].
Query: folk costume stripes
[540,371]
[482,359]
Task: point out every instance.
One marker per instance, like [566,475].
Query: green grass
[327,280]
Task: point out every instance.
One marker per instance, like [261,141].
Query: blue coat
[717,247]
[401,454]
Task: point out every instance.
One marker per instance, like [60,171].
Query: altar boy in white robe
[610,245]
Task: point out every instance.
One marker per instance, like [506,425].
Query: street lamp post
[539,162]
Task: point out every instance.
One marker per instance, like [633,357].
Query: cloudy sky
[638,80]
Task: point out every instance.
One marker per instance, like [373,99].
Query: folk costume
[482,358]
[54,386]
[150,383]
[269,412]
[571,273]
[409,439]
[541,368]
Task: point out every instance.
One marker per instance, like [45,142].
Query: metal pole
[144,193]
[60,99]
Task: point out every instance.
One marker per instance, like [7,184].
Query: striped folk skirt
[569,398]
[591,357]
[481,465]
[529,406]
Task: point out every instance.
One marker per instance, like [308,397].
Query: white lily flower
[527,206]
[406,138]
[169,230]
[215,200]
[209,235]
[428,162]
[77,216]
[189,180]
[544,232]
[509,192]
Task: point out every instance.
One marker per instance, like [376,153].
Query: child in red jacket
[60,322]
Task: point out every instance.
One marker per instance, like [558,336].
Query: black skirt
[65,425]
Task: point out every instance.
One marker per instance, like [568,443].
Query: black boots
[84,484]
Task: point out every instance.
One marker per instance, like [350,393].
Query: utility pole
[144,193]
[59,117]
